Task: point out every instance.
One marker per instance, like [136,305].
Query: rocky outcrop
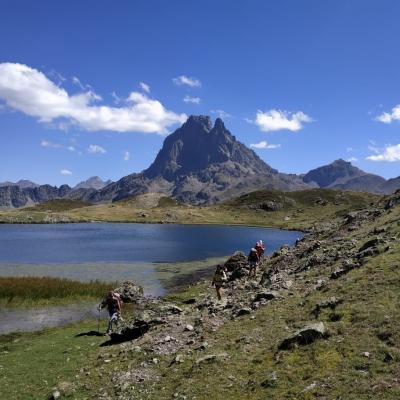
[304,336]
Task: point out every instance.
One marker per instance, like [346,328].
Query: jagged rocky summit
[201,163]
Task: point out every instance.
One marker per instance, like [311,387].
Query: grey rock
[304,336]
[266,295]
[243,311]
[211,358]
[130,292]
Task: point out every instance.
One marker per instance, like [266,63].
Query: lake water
[127,243]
[158,257]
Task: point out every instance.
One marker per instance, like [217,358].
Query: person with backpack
[260,249]
[113,303]
[253,260]
[219,279]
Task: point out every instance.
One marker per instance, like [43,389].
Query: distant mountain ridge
[94,182]
[343,175]
[23,184]
[200,163]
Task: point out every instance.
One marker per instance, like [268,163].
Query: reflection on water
[39,318]
[118,252]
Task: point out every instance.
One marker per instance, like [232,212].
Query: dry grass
[39,290]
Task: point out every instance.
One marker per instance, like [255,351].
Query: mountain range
[200,163]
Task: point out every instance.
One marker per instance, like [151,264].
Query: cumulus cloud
[96,149]
[275,120]
[264,145]
[127,155]
[194,100]
[389,117]
[51,145]
[28,90]
[352,159]
[145,87]
[65,172]
[389,153]
[221,113]
[184,80]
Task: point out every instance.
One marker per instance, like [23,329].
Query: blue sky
[305,82]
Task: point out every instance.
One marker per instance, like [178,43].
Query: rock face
[201,163]
[343,175]
[22,184]
[15,196]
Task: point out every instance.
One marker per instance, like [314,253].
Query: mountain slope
[343,175]
[201,163]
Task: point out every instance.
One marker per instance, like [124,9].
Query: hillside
[291,210]
[318,317]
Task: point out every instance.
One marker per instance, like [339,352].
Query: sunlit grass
[15,291]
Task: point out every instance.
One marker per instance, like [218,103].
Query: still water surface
[158,257]
[126,243]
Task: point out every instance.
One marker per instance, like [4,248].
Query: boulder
[237,266]
[305,336]
[370,243]
[331,303]
[130,332]
[211,358]
[393,201]
[130,292]
[243,311]
[237,260]
[266,295]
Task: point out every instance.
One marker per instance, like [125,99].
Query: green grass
[301,210]
[38,291]
[31,364]
[58,205]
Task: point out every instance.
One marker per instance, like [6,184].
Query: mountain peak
[94,182]
[219,124]
[202,121]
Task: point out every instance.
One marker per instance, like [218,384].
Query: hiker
[219,279]
[113,303]
[253,260]
[260,249]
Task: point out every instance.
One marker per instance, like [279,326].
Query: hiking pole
[98,322]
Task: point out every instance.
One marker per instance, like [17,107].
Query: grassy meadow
[42,291]
[301,210]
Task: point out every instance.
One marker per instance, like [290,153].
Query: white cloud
[389,117]
[352,159]
[145,87]
[184,80]
[96,149]
[28,90]
[51,145]
[127,155]
[194,100]
[65,172]
[264,145]
[221,113]
[275,120]
[389,153]
[349,149]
